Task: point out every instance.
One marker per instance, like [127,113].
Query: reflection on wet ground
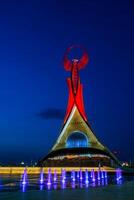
[67,186]
[49,181]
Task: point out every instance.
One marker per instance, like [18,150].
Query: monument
[77,144]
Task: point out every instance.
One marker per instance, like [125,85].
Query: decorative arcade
[77,145]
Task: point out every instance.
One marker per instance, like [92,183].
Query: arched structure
[77,140]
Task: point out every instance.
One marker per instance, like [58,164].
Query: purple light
[73,184]
[23,182]
[24,177]
[41,187]
[105,174]
[94,184]
[55,186]
[81,174]
[78,175]
[102,175]
[118,175]
[106,181]
[102,182]
[24,188]
[93,175]
[98,174]
[49,177]
[55,175]
[41,177]
[49,186]
[98,182]
[81,185]
[63,184]
[63,175]
[86,177]
[73,175]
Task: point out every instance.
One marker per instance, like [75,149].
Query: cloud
[52,113]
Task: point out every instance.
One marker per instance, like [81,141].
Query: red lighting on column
[74,85]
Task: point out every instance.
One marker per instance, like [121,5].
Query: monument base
[78,157]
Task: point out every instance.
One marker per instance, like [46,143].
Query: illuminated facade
[77,145]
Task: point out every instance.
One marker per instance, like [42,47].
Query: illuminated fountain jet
[73,175]
[86,176]
[24,177]
[49,177]
[63,175]
[118,176]
[55,175]
[41,176]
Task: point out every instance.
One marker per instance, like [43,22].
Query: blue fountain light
[24,177]
[86,176]
[55,175]
[106,181]
[73,175]
[24,188]
[81,175]
[55,186]
[102,182]
[73,184]
[63,175]
[118,174]
[98,175]
[41,177]
[93,175]
[105,174]
[63,185]
[78,174]
[49,177]
[102,175]
[41,187]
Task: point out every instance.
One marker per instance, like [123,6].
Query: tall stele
[76,137]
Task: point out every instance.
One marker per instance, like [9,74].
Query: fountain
[78,175]
[106,181]
[55,186]
[63,184]
[73,175]
[102,182]
[63,175]
[81,175]
[23,188]
[93,175]
[105,174]
[41,187]
[118,174]
[98,175]
[24,177]
[86,176]
[73,184]
[49,177]
[99,182]
[55,175]
[41,176]
[102,175]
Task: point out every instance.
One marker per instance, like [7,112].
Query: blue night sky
[33,92]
